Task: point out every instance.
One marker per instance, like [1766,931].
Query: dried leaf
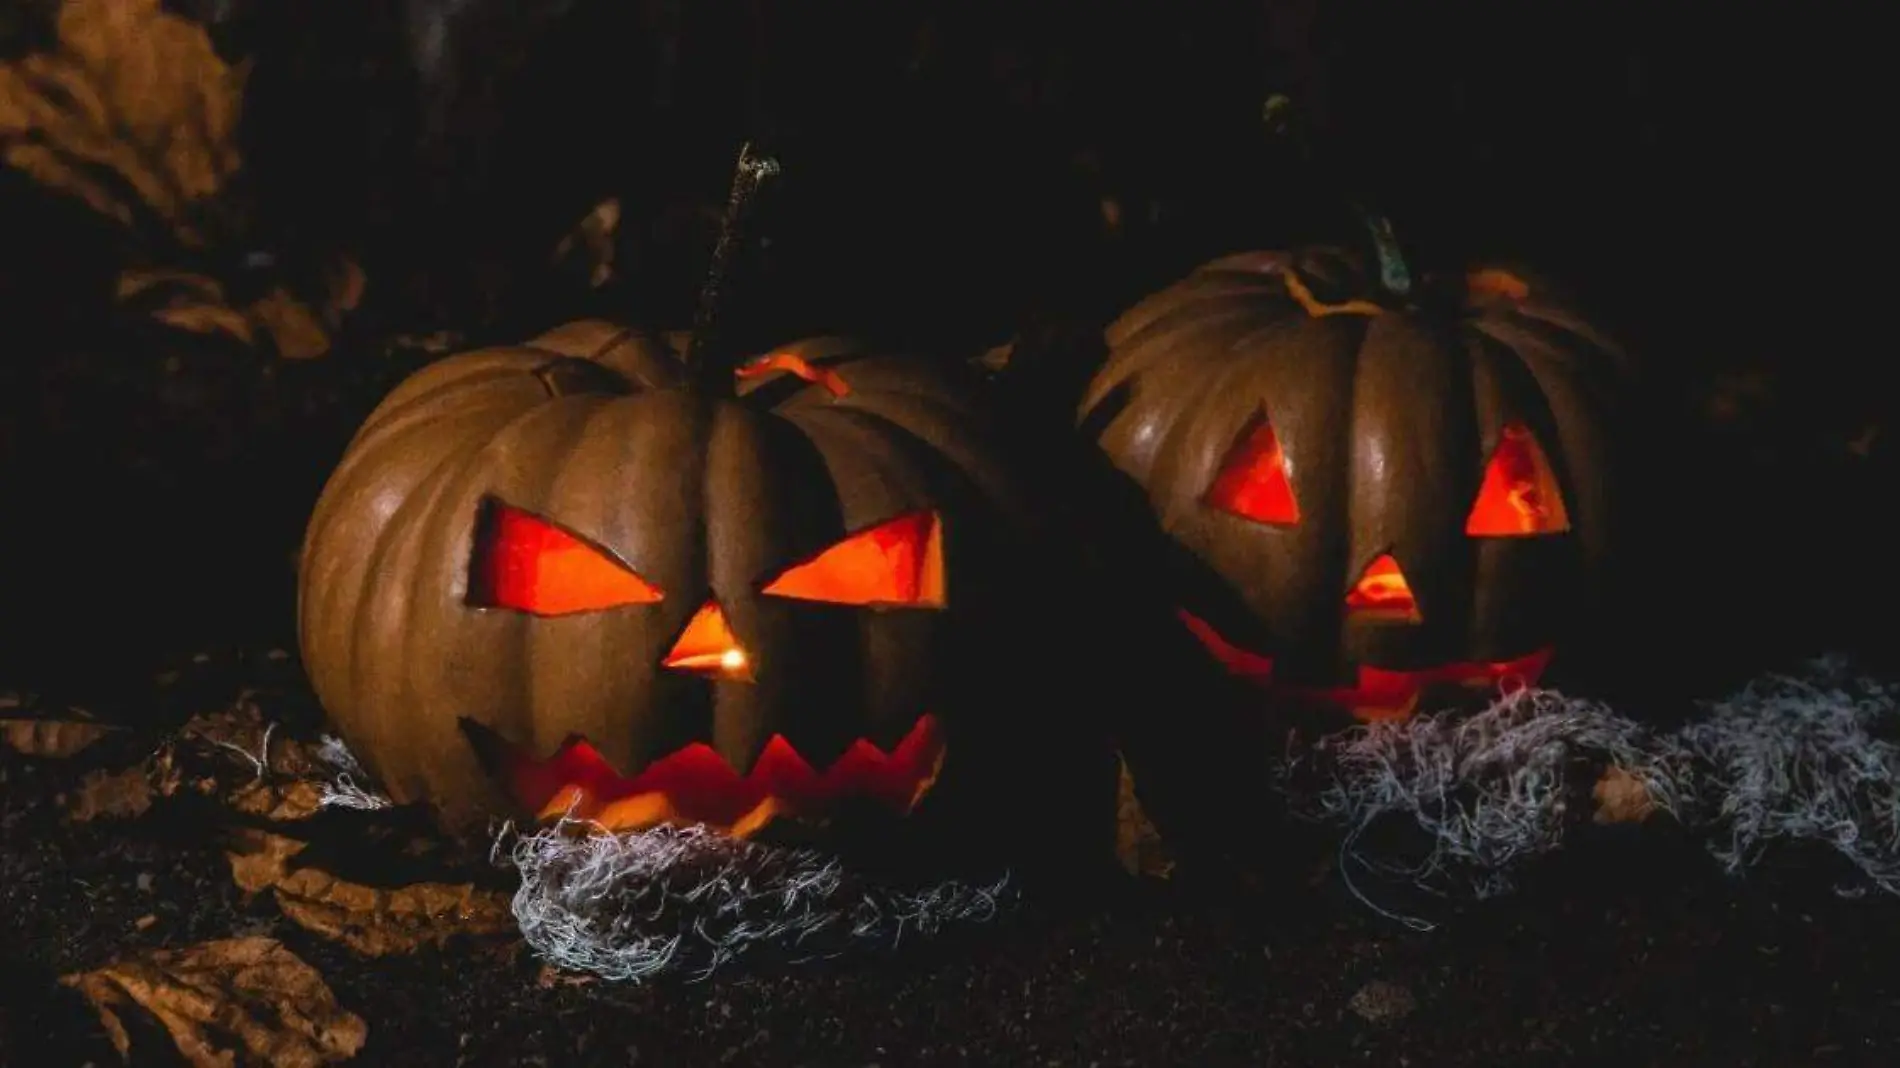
[591,242]
[240,1000]
[133,113]
[113,794]
[1621,798]
[997,359]
[51,737]
[1138,845]
[296,799]
[372,921]
[297,329]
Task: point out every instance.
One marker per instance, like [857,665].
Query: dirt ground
[1625,949]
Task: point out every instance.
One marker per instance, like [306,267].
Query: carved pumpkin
[563,568]
[1375,488]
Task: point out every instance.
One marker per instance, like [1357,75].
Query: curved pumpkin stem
[706,359]
[1395,275]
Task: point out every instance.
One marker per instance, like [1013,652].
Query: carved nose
[1383,594]
[707,647]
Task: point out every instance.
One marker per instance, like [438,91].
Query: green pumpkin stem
[1284,121]
[706,357]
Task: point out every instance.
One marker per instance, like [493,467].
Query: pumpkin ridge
[341,577]
[412,533]
[448,375]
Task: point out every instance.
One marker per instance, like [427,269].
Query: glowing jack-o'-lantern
[1376,488]
[561,571]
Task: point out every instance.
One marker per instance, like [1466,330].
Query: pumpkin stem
[1285,122]
[706,359]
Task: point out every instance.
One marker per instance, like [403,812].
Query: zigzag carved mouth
[695,785]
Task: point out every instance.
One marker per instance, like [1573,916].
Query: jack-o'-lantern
[1374,486]
[570,571]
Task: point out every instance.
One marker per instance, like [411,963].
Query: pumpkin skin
[695,501]
[1386,415]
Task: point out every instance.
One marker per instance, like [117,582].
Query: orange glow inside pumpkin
[1383,594]
[1377,694]
[786,363]
[1518,496]
[695,785]
[897,563]
[708,647]
[525,563]
[1253,482]
[1497,283]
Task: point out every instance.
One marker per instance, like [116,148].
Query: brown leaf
[1621,798]
[372,921]
[295,799]
[133,112]
[112,794]
[51,737]
[1138,845]
[297,329]
[591,243]
[240,1000]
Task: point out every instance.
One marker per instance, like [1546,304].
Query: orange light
[1383,594]
[785,362]
[1377,694]
[1240,662]
[696,785]
[1253,481]
[897,563]
[707,647]
[528,564]
[1519,496]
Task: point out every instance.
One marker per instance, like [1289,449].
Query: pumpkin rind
[590,427]
[1386,415]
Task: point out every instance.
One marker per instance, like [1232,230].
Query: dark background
[1706,177]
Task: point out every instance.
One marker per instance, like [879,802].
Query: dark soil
[1626,949]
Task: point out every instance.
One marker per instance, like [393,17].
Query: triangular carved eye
[525,563]
[895,564]
[1519,496]
[1253,482]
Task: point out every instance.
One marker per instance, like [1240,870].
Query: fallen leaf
[1382,1002]
[371,920]
[245,1000]
[1621,798]
[997,359]
[51,737]
[1138,844]
[112,794]
[294,800]
[133,113]
[550,977]
[296,328]
[591,242]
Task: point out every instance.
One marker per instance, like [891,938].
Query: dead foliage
[293,327]
[588,249]
[56,736]
[1621,798]
[232,754]
[240,1000]
[1138,844]
[134,114]
[372,921]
